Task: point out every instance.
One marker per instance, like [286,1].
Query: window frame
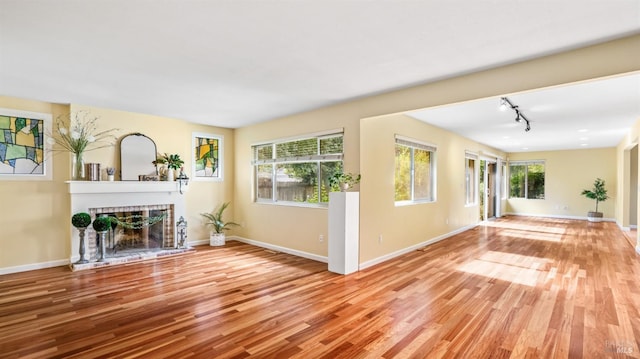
[274,161]
[470,156]
[414,144]
[526,164]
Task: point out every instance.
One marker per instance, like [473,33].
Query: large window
[414,171]
[526,179]
[297,171]
[470,178]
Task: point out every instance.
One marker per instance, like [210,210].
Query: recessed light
[584,138]
[584,144]
[583,130]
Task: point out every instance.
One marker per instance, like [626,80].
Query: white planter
[216,239]
[594,216]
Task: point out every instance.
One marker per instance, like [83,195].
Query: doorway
[487,189]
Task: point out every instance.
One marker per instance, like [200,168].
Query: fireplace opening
[137,229]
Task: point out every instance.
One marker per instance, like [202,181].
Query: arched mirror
[137,153]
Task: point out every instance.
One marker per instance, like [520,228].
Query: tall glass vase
[77,167]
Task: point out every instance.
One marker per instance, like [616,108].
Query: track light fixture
[504,103]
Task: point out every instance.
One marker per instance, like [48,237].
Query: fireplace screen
[136,229]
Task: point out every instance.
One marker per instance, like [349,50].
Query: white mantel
[84,187]
[99,194]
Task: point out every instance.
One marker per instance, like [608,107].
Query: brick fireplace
[126,199]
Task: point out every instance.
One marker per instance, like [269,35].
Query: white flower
[91,138]
[75,135]
[62,130]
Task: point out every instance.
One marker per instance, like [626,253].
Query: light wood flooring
[518,287]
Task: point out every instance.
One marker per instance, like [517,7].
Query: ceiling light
[504,102]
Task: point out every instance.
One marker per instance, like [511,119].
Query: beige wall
[410,225]
[567,173]
[47,203]
[627,184]
[31,212]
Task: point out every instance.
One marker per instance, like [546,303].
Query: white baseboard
[294,252]
[584,218]
[34,266]
[414,247]
[198,243]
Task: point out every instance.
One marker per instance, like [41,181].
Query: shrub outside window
[414,171]
[297,171]
[526,179]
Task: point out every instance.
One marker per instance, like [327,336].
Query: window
[414,171]
[470,177]
[297,171]
[526,179]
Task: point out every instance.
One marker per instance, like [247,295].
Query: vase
[77,167]
[171,174]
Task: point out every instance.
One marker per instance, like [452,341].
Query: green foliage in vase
[81,220]
[172,161]
[215,220]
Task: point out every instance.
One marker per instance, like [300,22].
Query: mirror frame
[125,172]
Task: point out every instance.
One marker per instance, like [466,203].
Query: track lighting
[504,103]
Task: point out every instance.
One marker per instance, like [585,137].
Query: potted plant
[599,193]
[343,181]
[173,162]
[218,225]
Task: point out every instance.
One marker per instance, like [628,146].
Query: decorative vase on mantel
[77,167]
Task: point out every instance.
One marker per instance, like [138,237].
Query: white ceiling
[235,63]
[591,114]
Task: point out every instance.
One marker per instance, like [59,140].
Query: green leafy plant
[81,220]
[343,180]
[102,224]
[598,192]
[215,220]
[172,161]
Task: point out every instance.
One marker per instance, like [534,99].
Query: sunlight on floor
[538,236]
[524,227]
[508,267]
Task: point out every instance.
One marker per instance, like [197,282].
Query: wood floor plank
[517,287]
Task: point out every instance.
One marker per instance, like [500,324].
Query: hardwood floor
[515,288]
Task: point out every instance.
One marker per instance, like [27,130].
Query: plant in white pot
[343,181]
[218,225]
[599,193]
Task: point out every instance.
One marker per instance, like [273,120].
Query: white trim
[585,218]
[414,247]
[412,142]
[491,155]
[34,266]
[294,252]
[470,155]
[336,131]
